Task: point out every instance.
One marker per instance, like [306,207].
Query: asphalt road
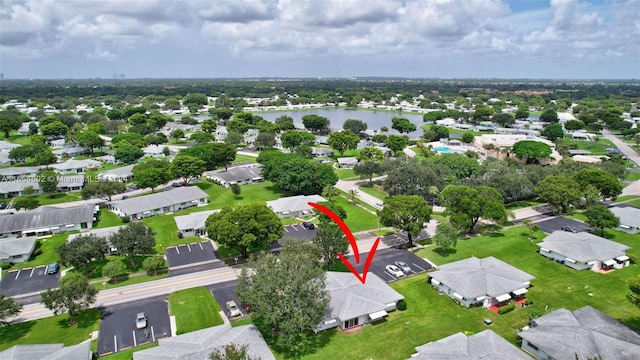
[622,146]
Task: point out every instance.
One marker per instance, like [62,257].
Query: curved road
[623,146]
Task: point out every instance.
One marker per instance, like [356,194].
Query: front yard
[194,309]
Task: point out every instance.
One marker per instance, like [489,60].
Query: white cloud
[101,54]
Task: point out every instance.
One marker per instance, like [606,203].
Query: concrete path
[409,152]
[622,146]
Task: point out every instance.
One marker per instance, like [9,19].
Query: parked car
[403,266]
[394,270]
[53,268]
[234,311]
[141,321]
[380,205]
[308,225]
[568,229]
[177,184]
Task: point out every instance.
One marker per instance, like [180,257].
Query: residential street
[626,149]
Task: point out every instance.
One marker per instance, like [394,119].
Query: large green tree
[127,153]
[342,141]
[82,250]
[354,125]
[403,125]
[331,241]
[298,175]
[466,205]
[601,217]
[245,226]
[56,128]
[9,121]
[446,237]
[315,123]
[48,181]
[74,294]
[104,189]
[606,183]
[265,140]
[90,139]
[531,150]
[186,167]
[396,143]
[406,212]
[135,238]
[371,154]
[8,308]
[366,170]
[552,131]
[152,173]
[560,191]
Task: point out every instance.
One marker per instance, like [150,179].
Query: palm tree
[353,194]
[329,192]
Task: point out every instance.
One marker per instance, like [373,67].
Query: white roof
[194,220]
[294,203]
[582,246]
[485,345]
[158,200]
[628,215]
[76,164]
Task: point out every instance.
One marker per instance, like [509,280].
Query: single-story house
[80,351]
[321,140]
[19,172]
[157,150]
[480,346]
[583,136]
[107,159]
[629,218]
[6,146]
[347,162]
[159,203]
[240,174]
[354,303]
[294,206]
[193,224]
[73,166]
[24,128]
[16,250]
[122,174]
[487,282]
[583,250]
[15,187]
[70,183]
[184,127]
[47,220]
[199,344]
[582,334]
[574,152]
[69,152]
[105,233]
[321,152]
[58,143]
[4,159]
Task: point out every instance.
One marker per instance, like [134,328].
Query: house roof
[7,146]
[17,185]
[347,160]
[321,151]
[16,246]
[582,246]
[70,150]
[585,333]
[81,351]
[483,345]
[76,164]
[294,203]
[194,220]
[199,344]
[46,216]
[18,171]
[154,201]
[236,173]
[157,149]
[103,233]
[475,277]
[121,172]
[350,298]
[628,215]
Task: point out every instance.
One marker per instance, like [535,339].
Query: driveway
[28,280]
[224,292]
[118,329]
[384,257]
[558,222]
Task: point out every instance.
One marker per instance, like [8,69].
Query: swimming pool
[446,150]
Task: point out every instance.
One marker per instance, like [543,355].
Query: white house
[294,206]
[47,220]
[347,162]
[239,174]
[16,250]
[629,218]
[157,150]
[321,152]
[484,345]
[193,224]
[73,166]
[105,233]
[121,174]
[583,250]
[6,146]
[16,187]
[159,203]
[19,172]
[69,152]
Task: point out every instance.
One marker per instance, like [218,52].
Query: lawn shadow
[204,185]
[13,332]
[441,252]
[496,235]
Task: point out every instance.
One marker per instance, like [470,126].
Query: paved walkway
[409,152]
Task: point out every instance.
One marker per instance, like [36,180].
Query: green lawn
[380,194]
[344,174]
[45,199]
[51,330]
[194,309]
[635,202]
[107,218]
[596,147]
[358,219]
[633,176]
[245,158]
[47,251]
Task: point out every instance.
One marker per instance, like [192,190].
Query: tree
[45,157]
[176,134]
[396,143]
[560,191]
[21,153]
[223,113]
[531,226]
[379,138]
[342,141]
[315,123]
[134,239]
[601,217]
[467,137]
[370,154]
[48,181]
[531,150]
[8,308]
[232,351]
[237,125]
[236,189]
[265,140]
[303,150]
[9,122]
[606,183]
[222,155]
[366,170]
[201,137]
[154,263]
[74,294]
[134,139]
[234,138]
[522,112]
[435,133]
[209,126]
[549,116]
[634,287]
[285,122]
[26,203]
[446,237]
[246,226]
[406,212]
[553,131]
[402,125]
[290,139]
[503,119]
[461,167]
[298,175]
[466,205]
[186,167]
[354,125]
[331,241]
[98,128]
[56,128]
[82,250]
[335,208]
[573,125]
[127,153]
[287,296]
[104,189]
[90,139]
[114,270]
[482,113]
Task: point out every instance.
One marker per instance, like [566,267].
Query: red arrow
[354,246]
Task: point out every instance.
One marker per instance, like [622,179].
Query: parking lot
[384,257]
[297,231]
[558,222]
[118,329]
[224,292]
[28,280]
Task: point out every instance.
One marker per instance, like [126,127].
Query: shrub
[507,308]
[5,265]
[125,219]
[36,252]
[402,305]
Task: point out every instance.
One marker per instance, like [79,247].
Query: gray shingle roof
[199,344]
[38,218]
[485,345]
[7,146]
[159,200]
[582,246]
[586,332]
[347,160]
[628,215]
[81,351]
[237,173]
[17,185]
[350,298]
[103,233]
[194,220]
[76,164]
[16,246]
[294,203]
[121,172]
[475,277]
[19,171]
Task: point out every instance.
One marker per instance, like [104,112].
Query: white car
[403,266]
[394,270]
[233,309]
[141,321]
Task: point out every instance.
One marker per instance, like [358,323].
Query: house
[81,351]
[47,220]
[59,143]
[321,152]
[239,174]
[105,233]
[583,250]
[321,140]
[70,183]
[193,224]
[199,344]
[157,150]
[629,218]
[16,250]
[480,346]
[73,166]
[487,282]
[582,334]
[583,136]
[347,162]
[294,206]
[7,146]
[504,143]
[107,159]
[15,187]
[20,172]
[159,203]
[24,128]
[69,152]
[355,304]
[122,174]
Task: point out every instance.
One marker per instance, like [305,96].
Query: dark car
[177,184]
[569,229]
[308,225]
[53,268]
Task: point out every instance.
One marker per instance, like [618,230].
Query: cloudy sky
[560,39]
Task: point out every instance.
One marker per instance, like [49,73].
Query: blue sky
[557,39]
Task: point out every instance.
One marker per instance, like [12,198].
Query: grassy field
[44,199]
[633,176]
[244,158]
[380,194]
[194,309]
[358,219]
[596,148]
[51,330]
[107,218]
[635,202]
[346,174]
[47,249]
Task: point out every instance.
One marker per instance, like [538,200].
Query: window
[351,323]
